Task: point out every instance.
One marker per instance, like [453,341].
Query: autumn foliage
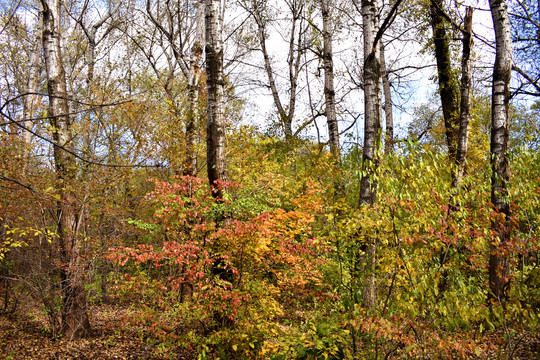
[281,257]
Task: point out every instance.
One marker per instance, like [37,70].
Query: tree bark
[372,121]
[215,122]
[91,33]
[190,166]
[31,100]
[295,52]
[285,116]
[170,25]
[372,138]
[447,87]
[465,105]
[75,321]
[499,267]
[388,105]
[329,92]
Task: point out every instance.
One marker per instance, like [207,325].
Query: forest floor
[25,336]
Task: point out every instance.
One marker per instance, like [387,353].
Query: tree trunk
[447,87]
[295,52]
[215,122]
[285,117]
[171,25]
[329,93]
[372,121]
[372,138]
[190,160]
[31,101]
[499,267]
[190,166]
[465,105]
[388,105]
[90,32]
[75,321]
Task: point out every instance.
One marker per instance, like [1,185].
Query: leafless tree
[260,12]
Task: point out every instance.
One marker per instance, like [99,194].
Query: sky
[414,89]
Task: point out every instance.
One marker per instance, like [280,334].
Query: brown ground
[25,338]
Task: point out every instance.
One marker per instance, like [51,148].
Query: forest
[269,179]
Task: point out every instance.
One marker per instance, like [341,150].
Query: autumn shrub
[433,242]
[243,275]
[277,275]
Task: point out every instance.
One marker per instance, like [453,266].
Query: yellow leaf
[234,347]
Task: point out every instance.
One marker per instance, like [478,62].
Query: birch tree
[465,101]
[499,266]
[75,321]
[372,135]
[91,31]
[329,92]
[215,119]
[184,36]
[21,70]
[388,105]
[372,129]
[296,48]
[372,121]
[32,100]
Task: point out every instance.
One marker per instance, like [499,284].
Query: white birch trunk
[329,92]
[372,121]
[372,140]
[499,259]
[75,321]
[190,165]
[31,101]
[388,105]
[215,122]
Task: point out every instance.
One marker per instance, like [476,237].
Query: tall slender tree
[184,35]
[90,31]
[465,101]
[31,101]
[447,85]
[215,117]
[499,266]
[372,134]
[75,321]
[388,105]
[296,37]
[455,95]
[329,92]
[372,112]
